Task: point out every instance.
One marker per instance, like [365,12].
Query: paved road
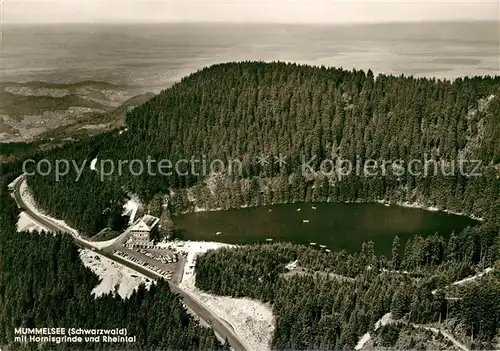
[445,334]
[217,324]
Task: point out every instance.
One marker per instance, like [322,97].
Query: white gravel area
[252,320]
[115,278]
[26,224]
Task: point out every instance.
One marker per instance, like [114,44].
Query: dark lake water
[337,226]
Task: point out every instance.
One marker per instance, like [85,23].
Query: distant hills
[41,115]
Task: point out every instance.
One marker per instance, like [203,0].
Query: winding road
[220,326]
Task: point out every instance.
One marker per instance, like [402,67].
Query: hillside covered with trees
[247,109]
[43,283]
[329,300]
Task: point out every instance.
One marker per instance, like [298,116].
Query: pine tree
[395,261]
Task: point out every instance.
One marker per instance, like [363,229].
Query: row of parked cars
[134,244]
[163,258]
[167,274]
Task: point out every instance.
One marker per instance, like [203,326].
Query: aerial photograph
[249,175]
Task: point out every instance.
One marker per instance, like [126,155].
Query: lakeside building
[145,230]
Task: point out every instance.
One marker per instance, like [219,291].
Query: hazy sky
[320,11]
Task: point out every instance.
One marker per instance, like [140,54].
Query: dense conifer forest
[243,110]
[43,283]
[332,299]
[249,109]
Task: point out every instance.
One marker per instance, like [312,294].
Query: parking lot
[164,262]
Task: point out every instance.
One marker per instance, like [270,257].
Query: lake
[337,226]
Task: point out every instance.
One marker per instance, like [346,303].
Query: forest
[43,283]
[246,109]
[337,297]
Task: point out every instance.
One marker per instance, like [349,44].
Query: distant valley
[40,115]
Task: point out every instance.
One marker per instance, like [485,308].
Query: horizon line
[259,22]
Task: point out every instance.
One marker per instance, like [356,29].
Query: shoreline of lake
[404,204]
[327,225]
